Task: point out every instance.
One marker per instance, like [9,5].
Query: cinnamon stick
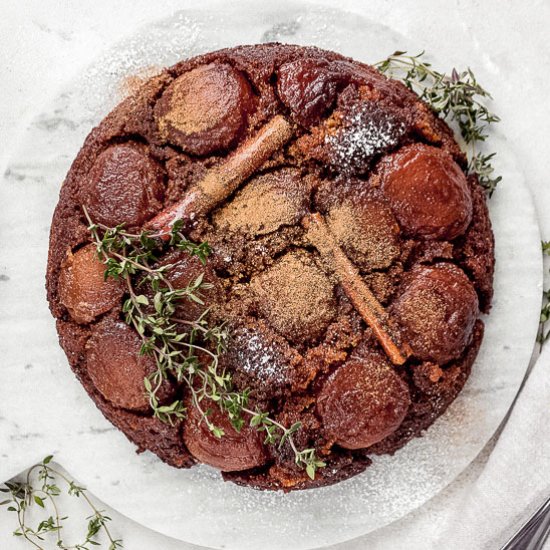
[356,289]
[223,180]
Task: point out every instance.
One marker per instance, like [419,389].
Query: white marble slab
[45,404]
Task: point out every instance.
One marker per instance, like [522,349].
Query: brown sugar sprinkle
[193,112]
[295,296]
[363,234]
[427,305]
[266,203]
[382,285]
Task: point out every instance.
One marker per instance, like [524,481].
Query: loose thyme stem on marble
[543,335]
[23,495]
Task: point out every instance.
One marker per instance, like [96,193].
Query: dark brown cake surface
[351,257]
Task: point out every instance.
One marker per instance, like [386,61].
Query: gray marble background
[52,42]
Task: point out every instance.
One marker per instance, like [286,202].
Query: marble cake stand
[44,410]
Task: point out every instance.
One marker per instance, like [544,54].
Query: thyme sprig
[544,334]
[40,488]
[187,350]
[458,98]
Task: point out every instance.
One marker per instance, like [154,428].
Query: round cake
[272,260]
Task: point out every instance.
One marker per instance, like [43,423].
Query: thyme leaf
[543,334]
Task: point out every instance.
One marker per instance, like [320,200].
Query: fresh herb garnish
[187,350]
[40,488]
[458,98]
[543,334]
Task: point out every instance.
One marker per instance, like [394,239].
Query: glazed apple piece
[428,192]
[185,271]
[437,310]
[363,402]
[83,289]
[267,203]
[117,369]
[205,109]
[233,452]
[308,87]
[124,185]
[295,297]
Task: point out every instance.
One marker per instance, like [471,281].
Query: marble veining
[281,32]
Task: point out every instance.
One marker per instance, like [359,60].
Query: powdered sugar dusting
[262,359]
[364,135]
